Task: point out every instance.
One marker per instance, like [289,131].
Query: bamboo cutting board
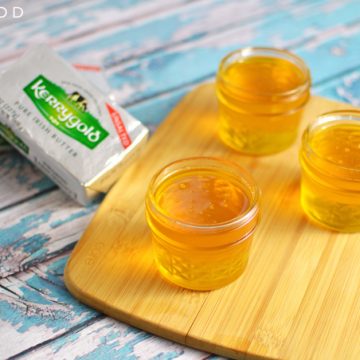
[299,297]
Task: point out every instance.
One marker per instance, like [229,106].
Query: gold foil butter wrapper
[65,125]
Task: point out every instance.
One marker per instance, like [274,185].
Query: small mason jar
[330,162]
[261,94]
[202,213]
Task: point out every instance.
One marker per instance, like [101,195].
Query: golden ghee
[202,213]
[261,93]
[330,160]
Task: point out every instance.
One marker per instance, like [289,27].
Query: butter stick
[65,125]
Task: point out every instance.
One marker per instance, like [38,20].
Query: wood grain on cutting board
[299,296]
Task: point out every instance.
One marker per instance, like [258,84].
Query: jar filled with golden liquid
[202,213]
[330,161]
[261,94]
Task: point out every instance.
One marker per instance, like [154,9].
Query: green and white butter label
[64,125]
[69,117]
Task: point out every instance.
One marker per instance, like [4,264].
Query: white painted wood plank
[33,310]
[83,19]
[194,21]
[39,229]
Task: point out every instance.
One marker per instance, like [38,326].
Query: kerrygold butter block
[65,125]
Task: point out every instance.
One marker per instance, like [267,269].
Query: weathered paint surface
[79,20]
[195,21]
[35,302]
[313,38]
[169,48]
[19,179]
[39,229]
[37,298]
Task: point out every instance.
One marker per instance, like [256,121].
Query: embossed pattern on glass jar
[330,160]
[261,94]
[218,267]
[202,213]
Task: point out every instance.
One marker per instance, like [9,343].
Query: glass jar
[202,213]
[330,162]
[261,94]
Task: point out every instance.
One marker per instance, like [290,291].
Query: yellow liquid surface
[193,259]
[202,199]
[254,117]
[258,75]
[331,190]
[339,144]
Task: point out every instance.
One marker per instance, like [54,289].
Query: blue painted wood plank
[103,46]
[190,63]
[188,23]
[39,229]
[30,304]
[83,19]
[346,88]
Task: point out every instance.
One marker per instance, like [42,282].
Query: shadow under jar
[202,213]
[261,94]
[330,162]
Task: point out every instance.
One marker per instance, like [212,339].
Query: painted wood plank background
[151,53]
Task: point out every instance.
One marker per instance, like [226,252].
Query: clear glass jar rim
[253,51]
[241,220]
[352,116]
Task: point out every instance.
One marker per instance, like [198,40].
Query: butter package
[65,125]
